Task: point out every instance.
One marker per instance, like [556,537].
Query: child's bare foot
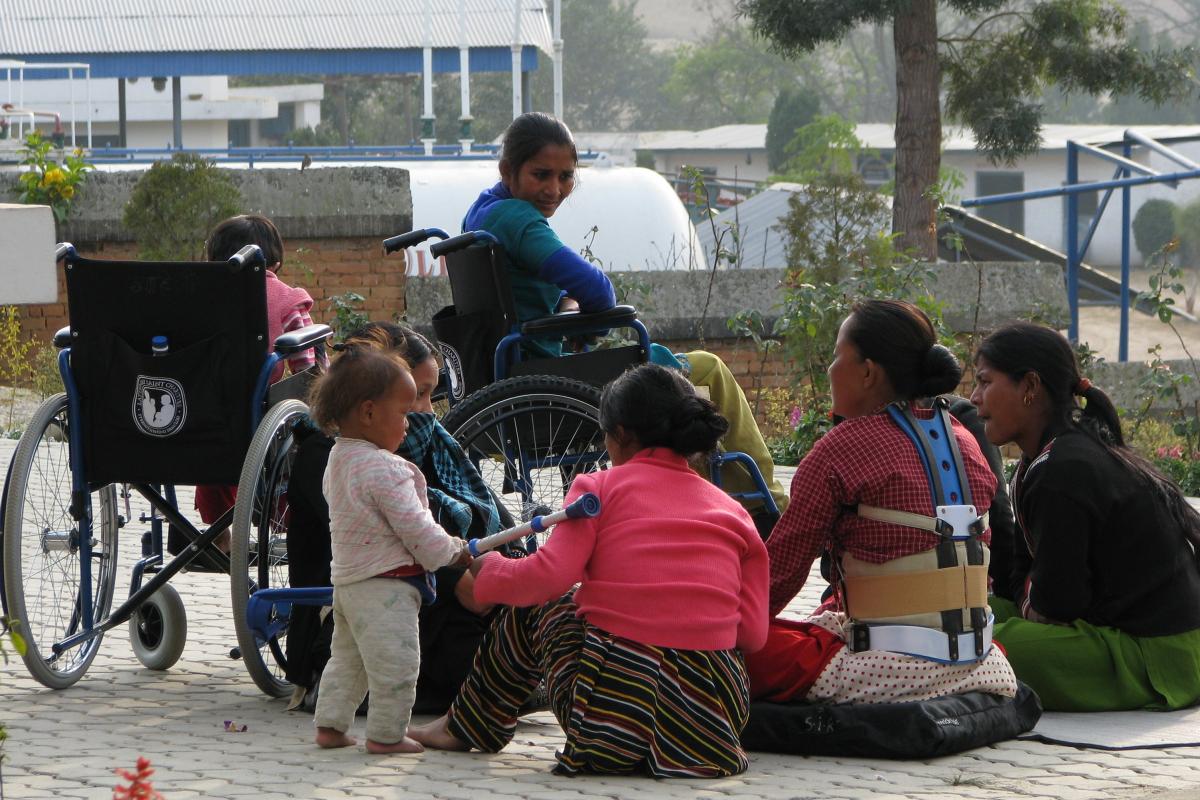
[224,541]
[405,745]
[332,737]
[437,735]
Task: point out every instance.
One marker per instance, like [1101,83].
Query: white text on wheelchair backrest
[159,406]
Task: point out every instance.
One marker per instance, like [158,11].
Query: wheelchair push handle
[586,505]
[460,242]
[249,255]
[411,239]
[64,250]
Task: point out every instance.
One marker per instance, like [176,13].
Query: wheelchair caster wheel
[158,630]
[235,654]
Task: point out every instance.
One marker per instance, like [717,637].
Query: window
[239,133]
[1007,215]
[1085,210]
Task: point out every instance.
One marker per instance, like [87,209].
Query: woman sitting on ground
[1108,612]
[864,494]
[642,661]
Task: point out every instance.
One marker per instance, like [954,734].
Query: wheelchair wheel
[258,554]
[158,629]
[43,575]
[530,436]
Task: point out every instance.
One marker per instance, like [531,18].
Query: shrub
[1154,226]
[176,203]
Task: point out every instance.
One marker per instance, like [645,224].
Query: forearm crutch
[586,505]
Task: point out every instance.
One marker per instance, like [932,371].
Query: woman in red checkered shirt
[886,351]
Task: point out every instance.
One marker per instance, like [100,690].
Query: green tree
[794,108]
[994,73]
[176,203]
[725,79]
[611,77]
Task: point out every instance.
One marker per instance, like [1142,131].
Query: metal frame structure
[1122,179]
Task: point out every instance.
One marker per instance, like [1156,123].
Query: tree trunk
[918,127]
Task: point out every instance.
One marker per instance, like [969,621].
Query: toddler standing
[384,540]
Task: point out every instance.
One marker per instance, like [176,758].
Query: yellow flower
[67,192]
[77,152]
[53,177]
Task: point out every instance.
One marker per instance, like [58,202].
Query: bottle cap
[158,342]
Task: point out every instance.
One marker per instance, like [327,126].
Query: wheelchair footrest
[269,610]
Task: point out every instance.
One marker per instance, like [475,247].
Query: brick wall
[325,267]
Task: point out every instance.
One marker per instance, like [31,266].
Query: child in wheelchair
[385,542]
[288,309]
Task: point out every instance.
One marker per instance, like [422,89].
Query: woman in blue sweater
[538,164]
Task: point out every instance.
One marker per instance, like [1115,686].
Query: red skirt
[789,663]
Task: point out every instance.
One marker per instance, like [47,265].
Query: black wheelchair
[166,370]
[530,423]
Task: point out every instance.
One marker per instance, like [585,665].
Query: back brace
[933,604]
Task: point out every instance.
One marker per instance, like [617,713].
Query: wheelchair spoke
[43,572]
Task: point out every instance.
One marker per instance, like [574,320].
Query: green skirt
[1083,667]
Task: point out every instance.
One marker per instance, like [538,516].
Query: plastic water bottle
[158,346]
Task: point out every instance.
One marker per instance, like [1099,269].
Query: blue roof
[131,38]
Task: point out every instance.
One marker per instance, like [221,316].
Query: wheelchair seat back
[182,416]
[484,313]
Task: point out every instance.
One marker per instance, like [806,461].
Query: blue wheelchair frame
[161,497]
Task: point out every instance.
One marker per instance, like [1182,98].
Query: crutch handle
[586,505]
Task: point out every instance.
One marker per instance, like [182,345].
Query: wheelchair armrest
[63,337]
[572,322]
[302,339]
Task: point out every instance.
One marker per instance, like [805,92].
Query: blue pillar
[1073,242]
[1123,346]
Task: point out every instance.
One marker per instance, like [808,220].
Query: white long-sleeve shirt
[379,514]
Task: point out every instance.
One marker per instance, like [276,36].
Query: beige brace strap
[928,591]
[919,521]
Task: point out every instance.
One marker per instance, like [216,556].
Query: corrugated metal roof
[757,218]
[64,27]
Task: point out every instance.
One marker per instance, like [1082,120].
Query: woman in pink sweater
[643,659]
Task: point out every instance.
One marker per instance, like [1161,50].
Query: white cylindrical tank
[639,221]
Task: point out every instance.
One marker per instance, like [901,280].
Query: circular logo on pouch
[454,370]
[159,406]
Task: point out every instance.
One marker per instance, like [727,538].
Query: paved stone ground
[66,744]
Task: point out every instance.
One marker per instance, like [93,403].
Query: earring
[1027,400]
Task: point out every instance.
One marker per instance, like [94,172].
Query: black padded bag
[468,344]
[926,729]
[178,418]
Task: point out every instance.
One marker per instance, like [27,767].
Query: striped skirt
[625,707]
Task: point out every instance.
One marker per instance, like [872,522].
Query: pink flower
[794,417]
[1170,452]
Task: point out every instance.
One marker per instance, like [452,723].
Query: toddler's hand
[464,558]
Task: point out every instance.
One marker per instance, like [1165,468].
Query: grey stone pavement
[68,743]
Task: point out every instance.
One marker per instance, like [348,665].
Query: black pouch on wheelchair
[468,342]
[161,419]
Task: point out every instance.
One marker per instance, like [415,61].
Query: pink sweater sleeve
[752,625]
[402,506]
[548,573]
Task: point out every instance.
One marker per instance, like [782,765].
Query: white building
[214,114]
[739,151]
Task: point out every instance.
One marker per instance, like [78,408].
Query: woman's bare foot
[405,745]
[332,737]
[437,735]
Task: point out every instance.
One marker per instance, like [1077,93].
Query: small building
[732,156]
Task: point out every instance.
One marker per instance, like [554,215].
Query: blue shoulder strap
[938,449]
